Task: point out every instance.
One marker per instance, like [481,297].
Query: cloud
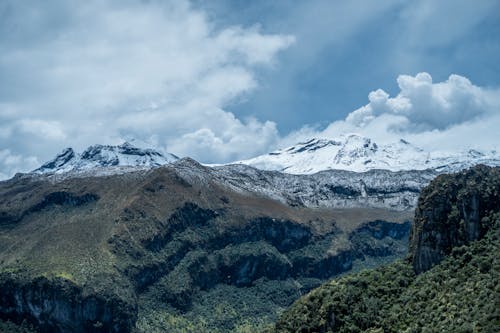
[454,114]
[10,162]
[346,48]
[249,136]
[424,104]
[99,72]
[165,72]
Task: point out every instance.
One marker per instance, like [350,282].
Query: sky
[224,80]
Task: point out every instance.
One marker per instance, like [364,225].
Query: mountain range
[349,152]
[185,247]
[447,283]
[354,152]
[128,239]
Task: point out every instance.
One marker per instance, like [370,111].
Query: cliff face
[452,211]
[58,305]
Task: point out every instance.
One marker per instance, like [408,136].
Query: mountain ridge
[352,152]
[159,250]
[357,153]
[125,155]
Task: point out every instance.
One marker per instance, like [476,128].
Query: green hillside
[459,294]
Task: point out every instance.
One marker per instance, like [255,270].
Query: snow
[348,172]
[99,157]
[357,153]
[331,188]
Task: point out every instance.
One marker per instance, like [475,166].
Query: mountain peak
[61,159]
[105,156]
[354,152]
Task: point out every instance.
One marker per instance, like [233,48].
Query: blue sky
[232,79]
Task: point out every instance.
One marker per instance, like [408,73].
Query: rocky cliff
[453,211]
[59,305]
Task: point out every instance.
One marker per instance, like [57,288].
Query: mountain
[185,247]
[123,239]
[357,153]
[332,188]
[104,157]
[381,189]
[448,283]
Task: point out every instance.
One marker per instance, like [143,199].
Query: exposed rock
[58,305]
[451,212]
[458,217]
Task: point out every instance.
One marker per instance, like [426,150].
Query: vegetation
[157,251]
[461,293]
[9,327]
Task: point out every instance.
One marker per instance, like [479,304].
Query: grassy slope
[78,243]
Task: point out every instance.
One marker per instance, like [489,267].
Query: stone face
[450,213]
[58,305]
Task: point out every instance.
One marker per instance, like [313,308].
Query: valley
[163,247]
[183,247]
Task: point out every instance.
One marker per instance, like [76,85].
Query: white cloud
[41,129]
[454,114]
[250,136]
[10,163]
[105,71]
[426,105]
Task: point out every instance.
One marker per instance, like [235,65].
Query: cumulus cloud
[424,104]
[99,72]
[249,136]
[454,114]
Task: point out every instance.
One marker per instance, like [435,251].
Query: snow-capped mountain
[349,172]
[104,156]
[388,177]
[357,153]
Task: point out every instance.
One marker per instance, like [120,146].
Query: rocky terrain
[184,247]
[448,283]
[331,188]
[452,212]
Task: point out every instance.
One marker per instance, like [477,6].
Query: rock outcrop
[58,305]
[453,211]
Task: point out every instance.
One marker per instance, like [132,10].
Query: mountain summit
[354,152]
[102,156]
